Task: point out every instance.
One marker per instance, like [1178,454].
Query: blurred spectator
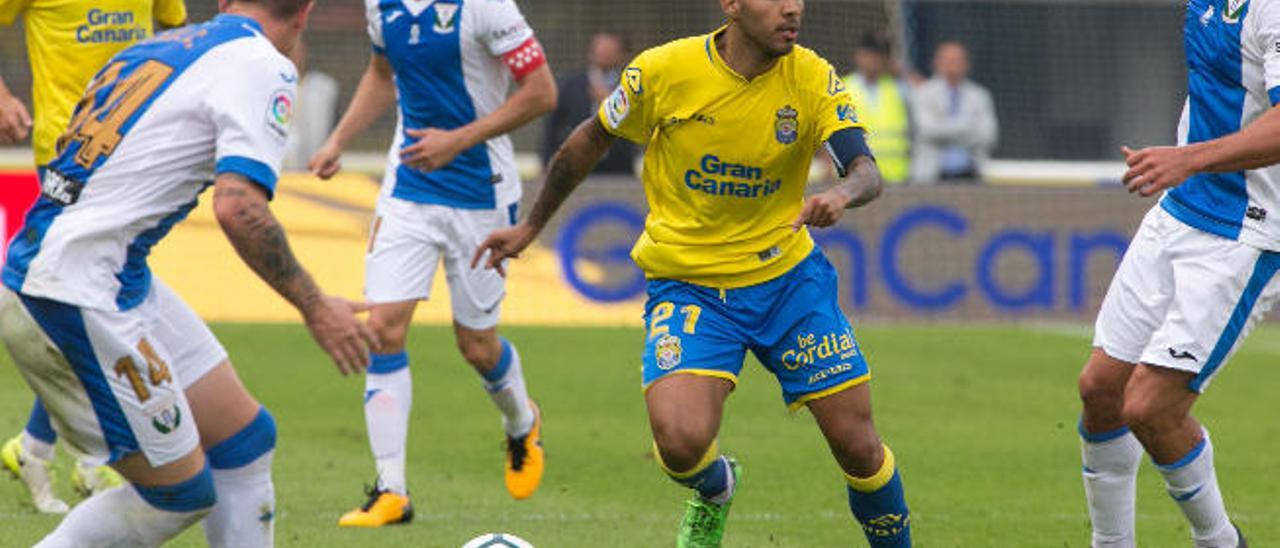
[313,114]
[955,121]
[580,96]
[881,101]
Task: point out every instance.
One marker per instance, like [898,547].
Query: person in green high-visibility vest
[881,101]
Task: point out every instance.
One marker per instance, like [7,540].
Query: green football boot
[703,523]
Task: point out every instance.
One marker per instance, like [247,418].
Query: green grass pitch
[982,419]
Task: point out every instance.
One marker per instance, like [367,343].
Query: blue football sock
[880,506]
[711,481]
[38,425]
[711,478]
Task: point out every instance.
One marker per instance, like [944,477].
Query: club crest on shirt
[1231,14]
[446,18]
[667,352]
[787,125]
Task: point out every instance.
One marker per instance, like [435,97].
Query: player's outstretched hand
[327,161]
[821,210]
[502,245]
[1154,169]
[435,149]
[334,326]
[15,121]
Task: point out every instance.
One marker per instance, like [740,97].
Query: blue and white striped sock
[505,385]
[1193,484]
[1110,474]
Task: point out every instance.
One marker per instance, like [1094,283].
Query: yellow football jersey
[68,41]
[727,158]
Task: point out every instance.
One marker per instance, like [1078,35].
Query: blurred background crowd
[953,90]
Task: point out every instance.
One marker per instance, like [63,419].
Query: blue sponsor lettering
[892,245]
[719,178]
[1040,292]
[613,255]
[99,17]
[838,242]
[110,27]
[1084,246]
[602,234]
[845,113]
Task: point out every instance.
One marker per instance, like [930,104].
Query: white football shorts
[1184,299]
[408,240]
[113,382]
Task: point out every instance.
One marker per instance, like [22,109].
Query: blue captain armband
[845,146]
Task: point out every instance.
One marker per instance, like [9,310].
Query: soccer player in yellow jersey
[68,41]
[732,120]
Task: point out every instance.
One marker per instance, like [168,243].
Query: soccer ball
[497,540]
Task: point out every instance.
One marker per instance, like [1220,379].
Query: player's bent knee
[479,353]
[866,450]
[681,448]
[390,337]
[1145,415]
[246,446]
[1099,390]
[390,323]
[196,494]
[859,455]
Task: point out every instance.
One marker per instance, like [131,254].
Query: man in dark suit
[580,95]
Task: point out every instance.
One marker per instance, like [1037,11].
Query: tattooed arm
[241,209]
[260,241]
[576,158]
[859,187]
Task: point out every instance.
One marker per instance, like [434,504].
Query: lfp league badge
[786,127]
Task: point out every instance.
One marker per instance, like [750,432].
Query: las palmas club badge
[787,124]
[668,352]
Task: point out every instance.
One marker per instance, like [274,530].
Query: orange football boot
[525,459]
[383,508]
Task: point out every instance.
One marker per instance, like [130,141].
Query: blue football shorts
[792,324]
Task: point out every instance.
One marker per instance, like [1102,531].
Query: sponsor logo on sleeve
[59,189]
[846,113]
[617,107]
[280,112]
[517,29]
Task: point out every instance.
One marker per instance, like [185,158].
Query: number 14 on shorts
[157,370]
